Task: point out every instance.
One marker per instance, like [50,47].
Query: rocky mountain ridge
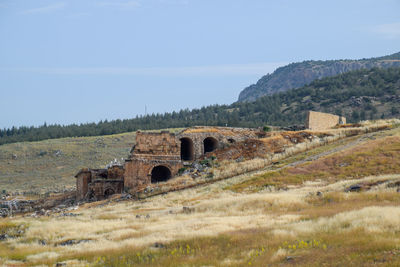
[296,75]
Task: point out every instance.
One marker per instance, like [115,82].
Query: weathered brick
[318,121]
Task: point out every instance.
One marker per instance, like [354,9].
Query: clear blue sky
[85,60]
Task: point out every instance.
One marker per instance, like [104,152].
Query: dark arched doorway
[210,144]
[160,174]
[108,192]
[187,151]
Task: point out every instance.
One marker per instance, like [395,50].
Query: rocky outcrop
[296,75]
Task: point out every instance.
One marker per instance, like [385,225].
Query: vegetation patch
[258,247]
[375,157]
[9,229]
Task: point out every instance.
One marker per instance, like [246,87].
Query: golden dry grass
[379,156]
[225,228]
[291,226]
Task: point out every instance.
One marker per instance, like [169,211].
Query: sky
[81,61]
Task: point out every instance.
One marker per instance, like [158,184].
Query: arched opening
[210,144]
[187,151]
[160,174]
[108,192]
[231,140]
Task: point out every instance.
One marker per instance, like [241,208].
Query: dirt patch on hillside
[378,156]
[272,143]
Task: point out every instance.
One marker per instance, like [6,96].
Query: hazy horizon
[84,61]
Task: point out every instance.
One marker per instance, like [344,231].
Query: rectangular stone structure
[318,121]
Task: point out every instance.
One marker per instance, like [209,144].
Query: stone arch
[160,173]
[108,192]
[187,149]
[210,144]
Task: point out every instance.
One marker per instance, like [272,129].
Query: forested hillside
[358,95]
[296,75]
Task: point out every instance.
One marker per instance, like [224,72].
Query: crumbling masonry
[99,183]
[158,156]
[317,121]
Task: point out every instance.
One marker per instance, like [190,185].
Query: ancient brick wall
[115,172]
[198,141]
[317,121]
[99,183]
[138,171]
[151,150]
[223,135]
[82,181]
[163,143]
[104,188]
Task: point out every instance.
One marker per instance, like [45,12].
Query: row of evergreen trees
[216,115]
[280,109]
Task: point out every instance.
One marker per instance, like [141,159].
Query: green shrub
[266,129]
[181,170]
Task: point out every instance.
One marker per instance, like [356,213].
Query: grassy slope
[246,227]
[371,158]
[38,168]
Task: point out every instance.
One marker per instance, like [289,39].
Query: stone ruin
[317,121]
[158,156]
[98,184]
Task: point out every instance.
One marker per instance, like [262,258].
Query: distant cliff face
[296,75]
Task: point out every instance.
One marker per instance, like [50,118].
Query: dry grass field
[52,164]
[371,158]
[285,215]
